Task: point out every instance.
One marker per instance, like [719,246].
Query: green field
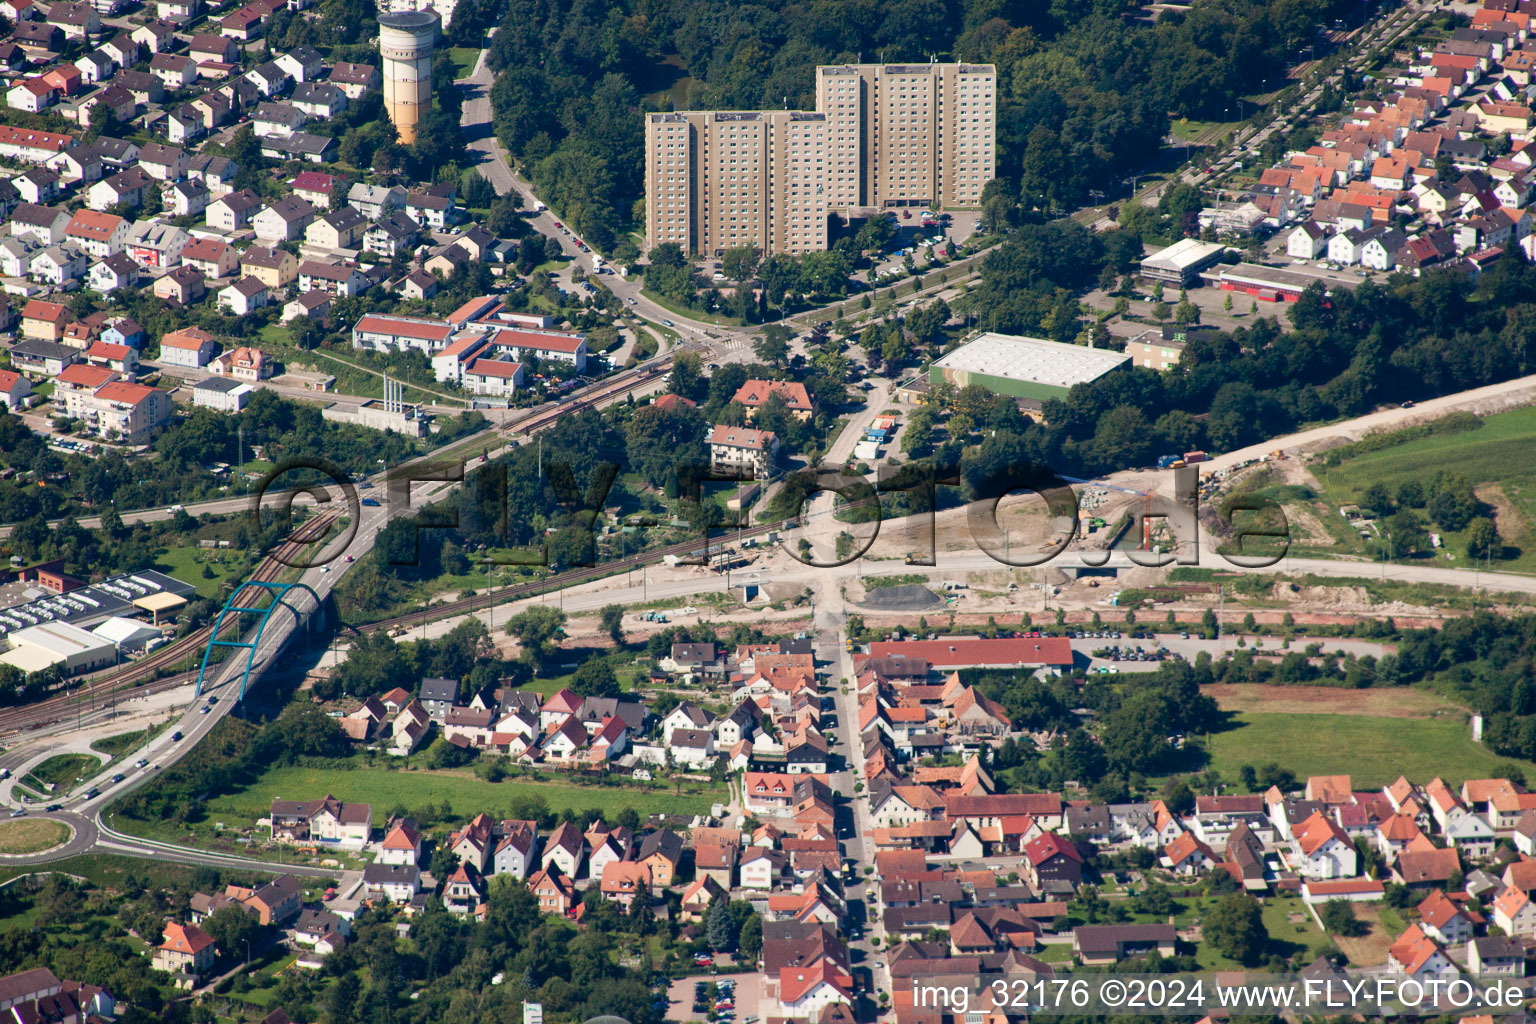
[31,835]
[1495,458]
[1373,751]
[186,564]
[464,58]
[467,794]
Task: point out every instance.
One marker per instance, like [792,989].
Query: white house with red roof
[315,186]
[1321,849]
[1514,912]
[401,846]
[1445,920]
[121,358]
[1417,955]
[191,347]
[557,707]
[610,741]
[1187,856]
[807,991]
[14,390]
[387,333]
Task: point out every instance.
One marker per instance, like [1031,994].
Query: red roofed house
[624,880]
[1444,920]
[1416,954]
[316,187]
[44,320]
[14,390]
[1187,855]
[127,412]
[1514,912]
[121,358]
[187,950]
[1320,849]
[767,792]
[77,383]
[400,333]
[799,402]
[191,347]
[553,890]
[809,990]
[974,652]
[1052,858]
[401,846]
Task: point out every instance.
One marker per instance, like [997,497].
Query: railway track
[143,676]
[101,690]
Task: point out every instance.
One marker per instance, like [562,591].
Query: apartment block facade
[883,136]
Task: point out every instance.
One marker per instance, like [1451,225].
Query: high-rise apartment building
[883,136]
[717,180]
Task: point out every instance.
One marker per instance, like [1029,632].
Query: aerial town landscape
[839,512]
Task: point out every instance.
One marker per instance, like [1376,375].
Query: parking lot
[745,999]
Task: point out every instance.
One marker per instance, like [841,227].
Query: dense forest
[1085,90]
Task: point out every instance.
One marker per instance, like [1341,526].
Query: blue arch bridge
[236,610]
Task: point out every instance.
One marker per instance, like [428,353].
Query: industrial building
[1182,261]
[882,136]
[70,648]
[127,635]
[1021,367]
[1272,284]
[406,42]
[85,606]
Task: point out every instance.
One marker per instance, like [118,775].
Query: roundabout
[27,837]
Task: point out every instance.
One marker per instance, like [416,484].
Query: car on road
[213,699]
[119,777]
[176,736]
[141,762]
[91,793]
[54,807]
[371,502]
[205,709]
[350,558]
[365,484]
[666,323]
[18,812]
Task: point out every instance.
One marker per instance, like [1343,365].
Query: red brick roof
[961,652]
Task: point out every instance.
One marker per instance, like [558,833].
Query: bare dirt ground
[1510,522]
[1317,700]
[1369,949]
